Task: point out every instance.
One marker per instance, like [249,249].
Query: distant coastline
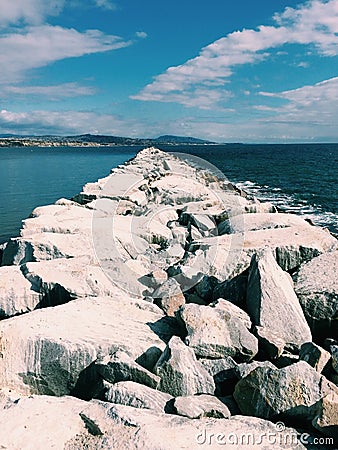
[91,140]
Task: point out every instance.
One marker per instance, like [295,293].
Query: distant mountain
[169,139]
[119,140]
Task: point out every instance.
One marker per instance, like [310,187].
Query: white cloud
[53,92]
[28,11]
[66,122]
[35,12]
[315,23]
[106,4]
[318,99]
[141,34]
[38,46]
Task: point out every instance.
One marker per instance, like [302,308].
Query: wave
[292,204]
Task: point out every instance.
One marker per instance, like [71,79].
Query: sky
[226,71]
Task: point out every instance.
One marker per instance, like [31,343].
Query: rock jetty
[162,308]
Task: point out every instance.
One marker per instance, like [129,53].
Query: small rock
[121,367]
[198,406]
[169,297]
[270,342]
[181,373]
[334,354]
[314,355]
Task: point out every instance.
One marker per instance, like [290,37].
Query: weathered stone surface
[30,423]
[272,302]
[218,330]
[176,432]
[41,422]
[314,355]
[242,370]
[334,354]
[260,221]
[75,277]
[47,350]
[16,292]
[230,255]
[169,297]
[270,341]
[137,395]
[181,373]
[327,419]
[289,392]
[317,289]
[198,406]
[17,252]
[121,367]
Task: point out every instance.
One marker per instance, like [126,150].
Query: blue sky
[226,71]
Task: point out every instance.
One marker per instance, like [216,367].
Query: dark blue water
[298,178]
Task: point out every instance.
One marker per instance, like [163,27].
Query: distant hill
[96,139]
[118,140]
[169,139]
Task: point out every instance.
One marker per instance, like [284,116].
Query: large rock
[291,392]
[72,424]
[317,289]
[176,432]
[272,302]
[137,395]
[218,330]
[41,422]
[181,373]
[16,292]
[49,351]
[227,256]
[260,221]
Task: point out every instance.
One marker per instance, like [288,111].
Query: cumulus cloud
[314,23]
[45,44]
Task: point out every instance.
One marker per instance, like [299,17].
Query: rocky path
[163,308]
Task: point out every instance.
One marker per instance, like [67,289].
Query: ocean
[297,178]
